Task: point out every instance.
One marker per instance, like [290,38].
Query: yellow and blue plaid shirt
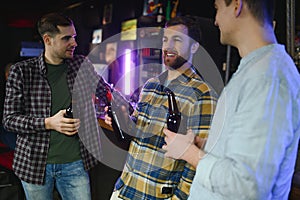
[147,173]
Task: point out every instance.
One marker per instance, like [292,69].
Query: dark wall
[88,16]
[11,38]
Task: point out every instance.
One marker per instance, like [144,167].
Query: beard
[174,62]
[69,53]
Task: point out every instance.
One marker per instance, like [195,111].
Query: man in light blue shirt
[253,141]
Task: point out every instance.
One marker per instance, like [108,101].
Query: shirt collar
[42,63]
[183,78]
[255,55]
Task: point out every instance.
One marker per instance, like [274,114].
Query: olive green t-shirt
[63,148]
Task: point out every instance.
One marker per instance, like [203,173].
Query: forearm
[236,183]
[23,124]
[17,119]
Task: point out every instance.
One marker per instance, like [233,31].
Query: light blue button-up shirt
[253,141]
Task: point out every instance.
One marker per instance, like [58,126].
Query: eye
[67,38]
[177,39]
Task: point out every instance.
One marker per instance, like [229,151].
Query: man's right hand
[107,119]
[59,123]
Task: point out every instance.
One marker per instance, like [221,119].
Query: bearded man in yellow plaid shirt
[147,173]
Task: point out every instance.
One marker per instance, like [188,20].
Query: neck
[173,74]
[51,59]
[255,37]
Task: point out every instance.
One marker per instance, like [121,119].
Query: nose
[167,45]
[216,20]
[216,23]
[73,42]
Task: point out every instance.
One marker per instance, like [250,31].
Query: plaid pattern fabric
[147,173]
[28,103]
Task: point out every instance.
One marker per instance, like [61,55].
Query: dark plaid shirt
[28,103]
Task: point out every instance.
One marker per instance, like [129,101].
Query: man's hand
[177,144]
[58,122]
[122,114]
[184,147]
[200,142]
[107,119]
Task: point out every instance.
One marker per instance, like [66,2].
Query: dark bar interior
[122,58]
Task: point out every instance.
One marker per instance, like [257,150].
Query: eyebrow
[69,36]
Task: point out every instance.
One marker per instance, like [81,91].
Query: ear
[238,7]
[194,47]
[46,39]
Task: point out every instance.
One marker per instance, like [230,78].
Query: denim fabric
[70,180]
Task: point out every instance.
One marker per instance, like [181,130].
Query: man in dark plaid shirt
[52,149]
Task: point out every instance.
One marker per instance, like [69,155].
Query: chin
[224,40]
[69,56]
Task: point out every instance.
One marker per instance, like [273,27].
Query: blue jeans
[70,180]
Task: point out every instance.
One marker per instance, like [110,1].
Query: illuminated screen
[97,36]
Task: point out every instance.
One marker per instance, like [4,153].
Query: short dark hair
[191,22]
[262,10]
[49,22]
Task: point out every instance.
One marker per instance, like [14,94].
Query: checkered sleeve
[16,118]
[199,121]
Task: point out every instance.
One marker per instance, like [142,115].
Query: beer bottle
[114,120]
[173,116]
[69,111]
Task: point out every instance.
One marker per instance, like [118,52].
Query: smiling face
[176,46]
[61,45]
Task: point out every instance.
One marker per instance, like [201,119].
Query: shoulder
[201,88]
[27,64]
[79,61]
[152,82]
[79,57]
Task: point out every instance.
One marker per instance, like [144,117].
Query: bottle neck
[172,103]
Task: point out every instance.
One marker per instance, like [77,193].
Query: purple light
[127,85]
